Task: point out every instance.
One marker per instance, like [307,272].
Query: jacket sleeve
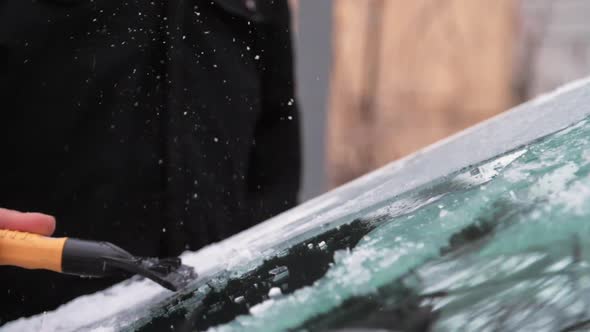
[275,160]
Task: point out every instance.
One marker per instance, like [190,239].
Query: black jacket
[158,125]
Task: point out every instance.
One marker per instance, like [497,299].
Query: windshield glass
[497,245]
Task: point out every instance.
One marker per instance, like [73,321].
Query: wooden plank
[439,68]
[348,133]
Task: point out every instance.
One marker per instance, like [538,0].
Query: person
[159,126]
[29,222]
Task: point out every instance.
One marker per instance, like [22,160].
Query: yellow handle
[31,251]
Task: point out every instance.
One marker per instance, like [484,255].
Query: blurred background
[379,79]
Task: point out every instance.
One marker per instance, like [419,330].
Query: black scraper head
[99,259]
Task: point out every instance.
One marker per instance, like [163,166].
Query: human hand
[27,222]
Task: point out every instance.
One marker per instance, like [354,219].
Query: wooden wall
[408,73]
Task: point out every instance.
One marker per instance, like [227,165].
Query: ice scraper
[88,258]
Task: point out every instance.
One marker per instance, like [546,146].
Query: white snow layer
[549,113]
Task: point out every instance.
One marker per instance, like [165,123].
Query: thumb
[27,222]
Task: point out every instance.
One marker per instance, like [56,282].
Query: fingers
[27,222]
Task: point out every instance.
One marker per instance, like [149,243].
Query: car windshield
[496,244]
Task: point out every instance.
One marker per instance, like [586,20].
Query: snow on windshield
[507,254]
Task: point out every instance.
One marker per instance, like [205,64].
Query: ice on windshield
[507,254]
[498,245]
